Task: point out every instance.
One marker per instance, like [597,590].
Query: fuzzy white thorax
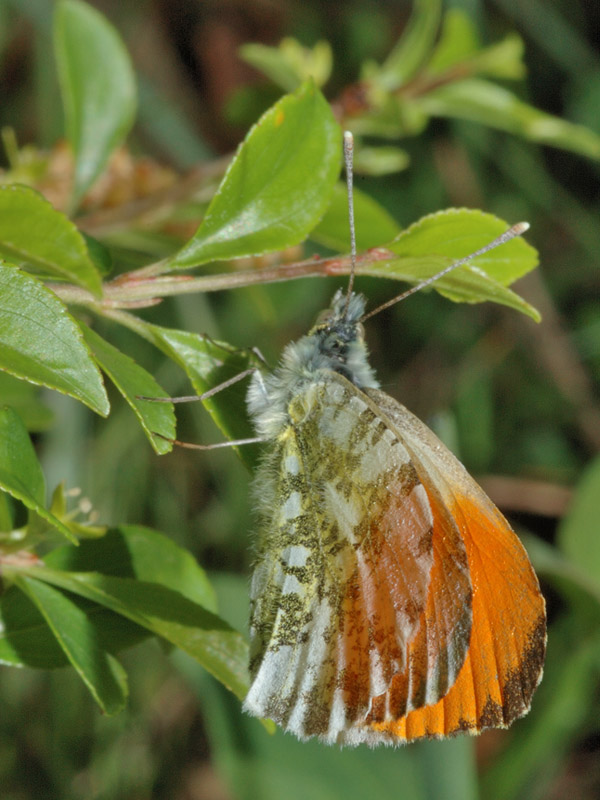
[335,344]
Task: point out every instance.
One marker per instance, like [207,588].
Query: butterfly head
[335,344]
[338,342]
[343,314]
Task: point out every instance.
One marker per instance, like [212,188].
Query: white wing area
[342,573]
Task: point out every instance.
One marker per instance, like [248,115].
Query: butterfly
[390,599]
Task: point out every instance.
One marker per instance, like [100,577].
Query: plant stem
[139,289]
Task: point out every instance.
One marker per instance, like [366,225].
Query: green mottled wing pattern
[342,568]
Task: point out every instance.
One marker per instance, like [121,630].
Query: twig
[135,289]
[528,496]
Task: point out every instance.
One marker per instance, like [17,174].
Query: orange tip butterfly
[390,599]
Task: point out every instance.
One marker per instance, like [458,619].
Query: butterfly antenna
[348,161]
[511,233]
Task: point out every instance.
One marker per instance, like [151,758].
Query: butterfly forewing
[343,564]
[504,663]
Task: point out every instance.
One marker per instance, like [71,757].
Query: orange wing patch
[437,652]
[384,599]
[503,665]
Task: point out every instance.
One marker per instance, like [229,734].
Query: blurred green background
[512,398]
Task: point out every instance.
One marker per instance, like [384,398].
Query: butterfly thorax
[336,343]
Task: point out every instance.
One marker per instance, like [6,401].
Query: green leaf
[101,672]
[289,64]
[20,471]
[132,380]
[209,363]
[25,399]
[27,641]
[502,60]
[435,241]
[99,254]
[391,116]
[458,42]
[459,45]
[128,551]
[374,225]
[97,85]
[41,343]
[35,234]
[7,515]
[377,161]
[578,531]
[414,48]
[221,650]
[277,187]
[25,638]
[485,102]
[133,551]
[456,232]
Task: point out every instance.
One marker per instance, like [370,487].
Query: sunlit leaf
[208,363]
[41,342]
[459,45]
[27,641]
[435,241]
[128,551]
[289,64]
[374,225]
[276,188]
[36,235]
[380,160]
[458,41]
[133,551]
